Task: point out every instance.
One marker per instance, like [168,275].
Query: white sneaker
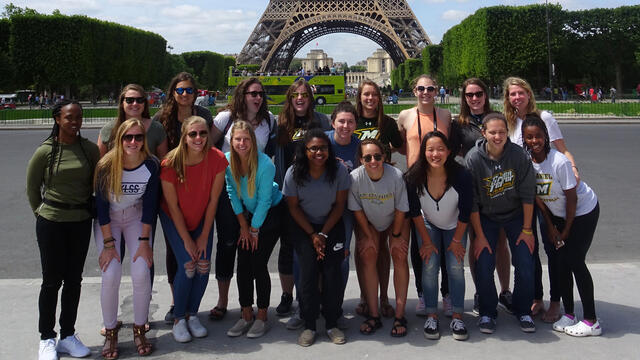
[195,327]
[73,346]
[564,322]
[180,331]
[582,329]
[259,328]
[447,306]
[47,350]
[240,327]
[420,309]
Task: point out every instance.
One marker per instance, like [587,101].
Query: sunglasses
[129,137]
[471,95]
[255,93]
[428,88]
[296,94]
[181,91]
[202,133]
[131,100]
[367,158]
[315,149]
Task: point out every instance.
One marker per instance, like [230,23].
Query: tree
[11,10]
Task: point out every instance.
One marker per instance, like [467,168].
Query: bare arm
[336,211]
[101,146]
[562,147]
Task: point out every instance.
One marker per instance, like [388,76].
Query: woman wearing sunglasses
[179,105]
[518,102]
[316,187]
[378,199]
[372,123]
[133,104]
[59,188]
[474,104]
[256,201]
[192,179]
[126,187]
[297,116]
[248,104]
[414,124]
[440,196]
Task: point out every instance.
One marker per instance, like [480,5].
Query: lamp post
[549,50]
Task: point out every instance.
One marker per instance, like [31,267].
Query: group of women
[312,182]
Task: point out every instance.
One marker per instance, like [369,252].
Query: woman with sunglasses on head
[504,191]
[179,106]
[378,199]
[59,188]
[256,201]
[440,196]
[192,179]
[571,211]
[414,124]
[316,187]
[373,123]
[297,116]
[127,188]
[133,104]
[248,104]
[474,104]
[518,102]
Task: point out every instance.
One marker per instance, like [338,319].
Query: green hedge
[432,62]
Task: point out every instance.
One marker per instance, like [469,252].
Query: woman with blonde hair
[192,178]
[126,187]
[256,202]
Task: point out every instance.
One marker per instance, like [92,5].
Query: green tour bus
[328,89]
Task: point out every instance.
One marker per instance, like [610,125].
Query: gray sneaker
[487,325]
[295,322]
[239,328]
[258,329]
[306,338]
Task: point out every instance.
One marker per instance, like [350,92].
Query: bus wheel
[321,101]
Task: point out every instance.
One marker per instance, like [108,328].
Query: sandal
[386,309]
[370,325]
[537,308]
[217,313]
[398,324]
[362,309]
[104,329]
[110,348]
[143,346]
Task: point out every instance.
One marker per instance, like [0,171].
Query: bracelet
[254,233]
[143,238]
[396,235]
[112,246]
[323,235]
[108,240]
[575,167]
[527,232]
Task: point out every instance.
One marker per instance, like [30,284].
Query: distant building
[379,66]
[315,59]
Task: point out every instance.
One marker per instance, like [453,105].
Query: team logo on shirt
[367,133]
[132,188]
[499,183]
[377,199]
[543,189]
[298,134]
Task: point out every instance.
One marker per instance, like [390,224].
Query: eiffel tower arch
[287,25]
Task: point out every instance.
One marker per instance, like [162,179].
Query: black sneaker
[432,328]
[476,304]
[284,308]
[526,324]
[505,301]
[487,325]
[458,329]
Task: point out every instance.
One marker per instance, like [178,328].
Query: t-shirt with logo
[347,153]
[553,176]
[367,128]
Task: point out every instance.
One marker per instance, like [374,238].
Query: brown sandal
[386,309]
[110,348]
[143,346]
[104,329]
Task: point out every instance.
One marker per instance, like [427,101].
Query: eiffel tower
[287,25]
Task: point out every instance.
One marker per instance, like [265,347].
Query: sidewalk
[616,303]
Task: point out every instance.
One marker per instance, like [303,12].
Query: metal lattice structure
[287,25]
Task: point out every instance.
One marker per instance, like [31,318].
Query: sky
[225,26]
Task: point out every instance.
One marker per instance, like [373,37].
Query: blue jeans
[521,259]
[187,292]
[441,239]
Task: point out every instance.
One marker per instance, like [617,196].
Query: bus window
[325,89]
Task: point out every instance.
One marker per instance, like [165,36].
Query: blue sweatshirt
[266,195]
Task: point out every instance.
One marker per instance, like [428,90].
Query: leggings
[252,265]
[228,230]
[124,224]
[63,250]
[572,261]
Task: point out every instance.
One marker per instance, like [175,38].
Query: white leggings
[124,223]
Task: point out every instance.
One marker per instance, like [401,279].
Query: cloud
[454,15]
